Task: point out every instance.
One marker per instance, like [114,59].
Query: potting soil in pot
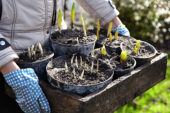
[72,37]
[57,70]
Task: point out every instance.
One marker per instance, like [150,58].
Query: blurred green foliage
[146,19]
[154,100]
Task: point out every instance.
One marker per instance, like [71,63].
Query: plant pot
[65,43]
[124,68]
[38,65]
[114,44]
[145,53]
[65,81]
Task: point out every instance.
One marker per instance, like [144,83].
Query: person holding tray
[26,22]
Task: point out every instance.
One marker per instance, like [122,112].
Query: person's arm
[106,11]
[9,67]
[24,82]
[103,9]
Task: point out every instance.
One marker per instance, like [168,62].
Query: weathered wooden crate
[112,97]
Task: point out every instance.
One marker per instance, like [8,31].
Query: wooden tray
[116,94]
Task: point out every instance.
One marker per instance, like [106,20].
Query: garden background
[147,20]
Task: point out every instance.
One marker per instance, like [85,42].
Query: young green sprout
[72,58]
[84,27]
[110,37]
[123,56]
[74,73]
[92,66]
[59,20]
[76,62]
[138,44]
[135,50]
[98,28]
[72,14]
[109,29]
[97,69]
[81,61]
[116,35]
[103,50]
[66,67]
[40,48]
[82,75]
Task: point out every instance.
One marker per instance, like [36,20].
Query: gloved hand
[28,93]
[122,30]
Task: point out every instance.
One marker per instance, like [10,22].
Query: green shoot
[82,75]
[97,69]
[74,73]
[123,56]
[98,28]
[84,27]
[110,37]
[92,65]
[81,61]
[98,24]
[116,35]
[72,14]
[138,44]
[97,35]
[59,19]
[103,50]
[72,58]
[76,62]
[135,50]
[109,29]
[40,48]
[29,52]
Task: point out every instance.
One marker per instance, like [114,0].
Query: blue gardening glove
[28,93]
[122,30]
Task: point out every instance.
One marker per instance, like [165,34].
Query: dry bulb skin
[72,58]
[86,67]
[82,75]
[40,48]
[66,67]
[76,62]
[33,49]
[74,73]
[92,66]
[81,61]
[77,40]
[97,69]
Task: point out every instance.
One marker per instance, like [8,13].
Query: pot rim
[111,76]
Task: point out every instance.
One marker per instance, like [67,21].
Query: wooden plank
[115,95]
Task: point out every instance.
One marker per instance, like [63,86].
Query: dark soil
[145,50]
[70,37]
[57,71]
[24,57]
[115,62]
[105,58]
[104,39]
